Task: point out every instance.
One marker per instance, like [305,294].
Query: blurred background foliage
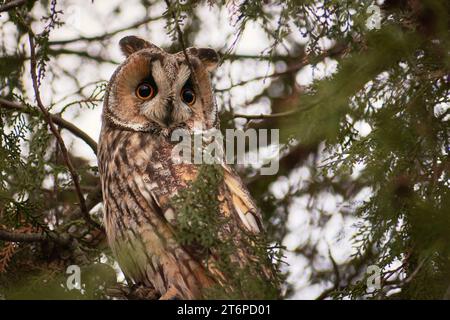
[371,136]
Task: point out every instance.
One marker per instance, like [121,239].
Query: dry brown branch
[6,255]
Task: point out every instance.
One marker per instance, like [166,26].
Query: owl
[150,94]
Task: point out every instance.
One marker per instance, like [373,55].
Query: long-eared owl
[151,93]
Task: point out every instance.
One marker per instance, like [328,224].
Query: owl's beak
[167,120]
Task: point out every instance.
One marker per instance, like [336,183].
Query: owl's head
[153,90]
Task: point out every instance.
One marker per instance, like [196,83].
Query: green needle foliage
[198,205]
[200,227]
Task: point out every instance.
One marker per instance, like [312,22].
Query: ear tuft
[131,44]
[207,56]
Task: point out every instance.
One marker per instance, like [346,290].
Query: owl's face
[153,90]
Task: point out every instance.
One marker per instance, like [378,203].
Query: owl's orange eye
[188,96]
[145,91]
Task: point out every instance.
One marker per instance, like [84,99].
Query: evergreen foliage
[373,135]
[200,227]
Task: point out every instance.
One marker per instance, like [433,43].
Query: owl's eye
[145,91]
[188,96]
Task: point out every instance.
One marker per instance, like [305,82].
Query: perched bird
[151,93]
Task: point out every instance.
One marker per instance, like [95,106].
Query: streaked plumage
[139,177]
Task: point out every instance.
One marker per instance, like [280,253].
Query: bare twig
[180,36]
[416,271]
[276,115]
[337,278]
[337,50]
[289,70]
[267,116]
[56,119]
[83,54]
[337,274]
[58,137]
[106,35]
[237,56]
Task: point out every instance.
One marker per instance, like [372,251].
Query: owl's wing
[242,202]
[235,198]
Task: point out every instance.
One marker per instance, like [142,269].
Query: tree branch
[337,50]
[267,116]
[292,69]
[237,56]
[58,137]
[83,54]
[12,5]
[9,236]
[106,35]
[55,118]
[276,115]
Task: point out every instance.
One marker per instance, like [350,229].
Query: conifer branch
[58,120]
[10,236]
[58,137]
